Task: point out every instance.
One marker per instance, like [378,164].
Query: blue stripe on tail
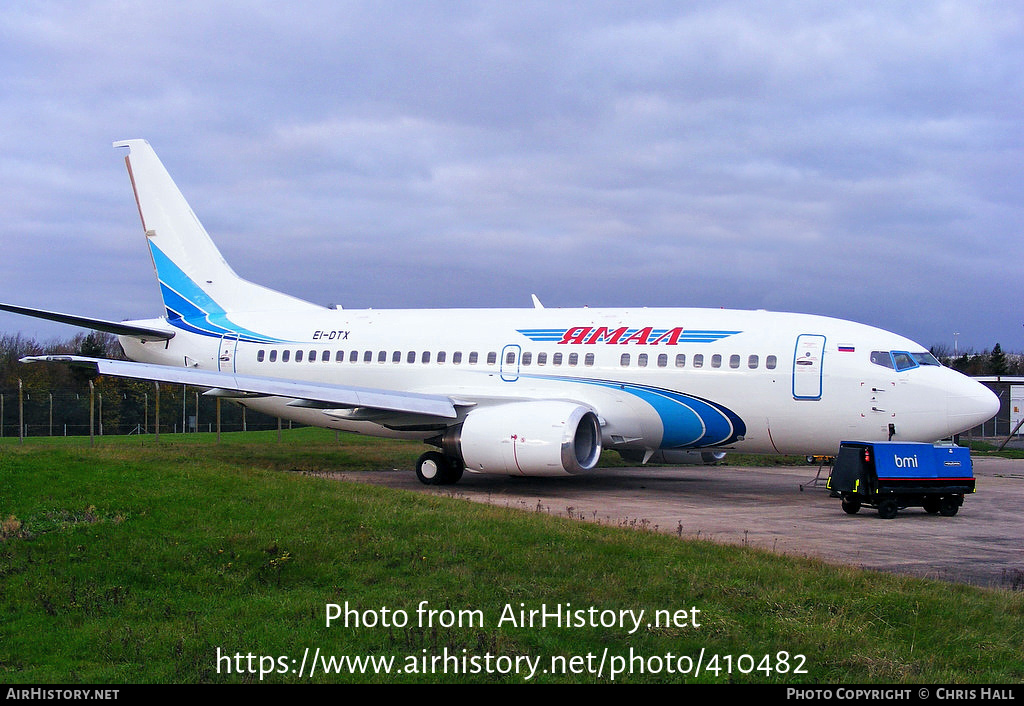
[191,309]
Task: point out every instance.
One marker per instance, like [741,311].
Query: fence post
[92,412]
[157,411]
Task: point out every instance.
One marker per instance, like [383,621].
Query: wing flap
[311,394]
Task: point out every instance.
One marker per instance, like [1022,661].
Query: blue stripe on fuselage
[687,422]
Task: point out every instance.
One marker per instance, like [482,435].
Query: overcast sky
[861,160]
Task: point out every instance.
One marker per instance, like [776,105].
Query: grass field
[190,561]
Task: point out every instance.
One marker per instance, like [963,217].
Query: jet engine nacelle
[542,438]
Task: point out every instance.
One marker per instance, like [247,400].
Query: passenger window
[325,356]
[259,356]
[510,357]
[353,357]
[367,356]
[457,357]
[588,360]
[624,360]
[339,357]
[527,358]
[285,355]
[752,362]
[698,360]
[641,360]
[542,359]
[473,357]
[396,357]
[770,362]
[574,359]
[680,360]
[410,357]
[382,356]
[492,358]
[441,356]
[298,356]
[716,361]
[312,356]
[556,359]
[273,356]
[734,361]
[662,360]
[425,358]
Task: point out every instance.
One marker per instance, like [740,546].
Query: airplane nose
[969,404]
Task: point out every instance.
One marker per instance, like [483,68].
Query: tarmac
[783,509]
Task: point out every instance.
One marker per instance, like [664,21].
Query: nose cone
[968,404]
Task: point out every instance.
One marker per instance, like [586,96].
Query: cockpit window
[883,358]
[903,360]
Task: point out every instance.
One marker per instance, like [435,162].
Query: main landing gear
[434,468]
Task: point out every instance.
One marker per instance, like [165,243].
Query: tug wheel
[949,505]
[888,508]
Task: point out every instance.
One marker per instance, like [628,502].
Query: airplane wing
[331,398]
[115,327]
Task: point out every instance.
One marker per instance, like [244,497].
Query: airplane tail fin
[198,287]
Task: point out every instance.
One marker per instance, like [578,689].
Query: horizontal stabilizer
[330,396]
[118,328]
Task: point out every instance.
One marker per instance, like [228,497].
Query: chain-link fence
[118,410]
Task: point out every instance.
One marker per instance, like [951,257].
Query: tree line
[57,399]
[988,362]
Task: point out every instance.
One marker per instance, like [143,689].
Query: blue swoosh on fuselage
[688,422]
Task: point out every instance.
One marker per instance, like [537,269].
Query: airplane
[531,391]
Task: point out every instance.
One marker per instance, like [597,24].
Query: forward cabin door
[807,366]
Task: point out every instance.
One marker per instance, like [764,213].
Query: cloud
[862,161]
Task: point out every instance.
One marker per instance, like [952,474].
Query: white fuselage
[754,381]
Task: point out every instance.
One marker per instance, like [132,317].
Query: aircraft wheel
[932,504]
[949,505]
[435,468]
[851,506]
[455,470]
[888,508]
[431,468]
